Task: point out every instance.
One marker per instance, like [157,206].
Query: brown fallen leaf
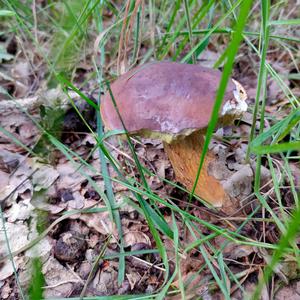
[232,250]
[59,280]
[196,287]
[133,279]
[100,221]
[19,211]
[295,169]
[239,184]
[17,234]
[5,291]
[6,268]
[105,281]
[291,291]
[18,237]
[21,72]
[44,177]
[136,237]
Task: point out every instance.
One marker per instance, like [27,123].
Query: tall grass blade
[234,45]
[283,246]
[10,255]
[6,13]
[285,22]
[210,32]
[188,20]
[104,165]
[145,206]
[37,280]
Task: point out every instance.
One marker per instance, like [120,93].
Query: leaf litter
[29,186]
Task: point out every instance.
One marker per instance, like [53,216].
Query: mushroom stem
[185,155]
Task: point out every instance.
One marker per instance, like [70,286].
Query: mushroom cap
[167,99]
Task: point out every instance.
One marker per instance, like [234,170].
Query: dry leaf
[100,221]
[6,268]
[18,238]
[239,184]
[59,280]
[232,250]
[292,291]
[5,291]
[21,72]
[69,177]
[19,211]
[44,177]
[133,279]
[77,202]
[105,281]
[4,179]
[17,234]
[134,237]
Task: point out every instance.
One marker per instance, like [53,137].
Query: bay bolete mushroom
[173,102]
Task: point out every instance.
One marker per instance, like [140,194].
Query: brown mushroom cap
[164,99]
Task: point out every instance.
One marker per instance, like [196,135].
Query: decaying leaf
[134,237]
[20,211]
[6,268]
[232,250]
[69,177]
[5,290]
[291,291]
[21,74]
[133,279]
[105,281]
[17,234]
[44,177]
[239,184]
[4,179]
[100,221]
[59,280]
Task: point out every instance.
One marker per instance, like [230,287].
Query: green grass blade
[149,213]
[204,40]
[277,132]
[283,245]
[203,11]
[6,13]
[234,45]
[166,48]
[170,24]
[10,255]
[285,22]
[262,77]
[277,148]
[37,280]
[104,163]
[68,84]
[164,291]
[188,20]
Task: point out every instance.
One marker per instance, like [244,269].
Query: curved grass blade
[203,41]
[234,45]
[285,22]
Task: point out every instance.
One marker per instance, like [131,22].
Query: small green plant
[37,281]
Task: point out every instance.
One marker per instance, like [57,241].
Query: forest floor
[68,230]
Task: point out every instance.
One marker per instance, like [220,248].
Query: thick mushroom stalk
[173,102]
[184,156]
